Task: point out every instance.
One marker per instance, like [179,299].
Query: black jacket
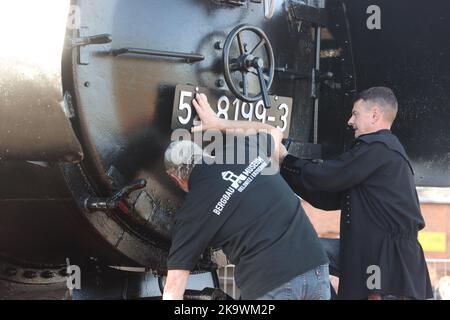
[373,185]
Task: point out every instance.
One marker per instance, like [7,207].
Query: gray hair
[181,157]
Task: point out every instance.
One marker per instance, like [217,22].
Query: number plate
[231,108]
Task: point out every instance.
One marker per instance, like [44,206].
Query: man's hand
[209,120]
[176,284]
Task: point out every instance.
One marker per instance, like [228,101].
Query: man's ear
[175,179]
[182,184]
[376,114]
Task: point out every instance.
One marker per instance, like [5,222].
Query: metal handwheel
[249,62]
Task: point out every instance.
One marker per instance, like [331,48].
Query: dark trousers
[331,247]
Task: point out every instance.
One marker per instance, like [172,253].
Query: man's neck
[381,128]
[374,132]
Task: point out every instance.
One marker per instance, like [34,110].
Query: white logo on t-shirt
[239,182]
[236,179]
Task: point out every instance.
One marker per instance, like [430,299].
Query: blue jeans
[312,285]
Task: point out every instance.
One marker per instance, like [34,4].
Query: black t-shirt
[254,218]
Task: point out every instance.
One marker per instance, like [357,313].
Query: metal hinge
[237,3]
[83,41]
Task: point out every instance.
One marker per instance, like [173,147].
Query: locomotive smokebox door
[131,92]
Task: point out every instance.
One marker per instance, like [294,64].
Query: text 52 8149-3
[230,108]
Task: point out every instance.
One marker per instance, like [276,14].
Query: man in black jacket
[378,255]
[373,186]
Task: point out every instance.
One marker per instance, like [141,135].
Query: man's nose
[350,121]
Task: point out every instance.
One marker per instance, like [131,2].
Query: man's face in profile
[362,118]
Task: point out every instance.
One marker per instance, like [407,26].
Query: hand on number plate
[209,119]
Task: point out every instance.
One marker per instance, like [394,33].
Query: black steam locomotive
[91,90]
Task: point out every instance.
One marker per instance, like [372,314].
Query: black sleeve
[319,199]
[338,175]
[191,234]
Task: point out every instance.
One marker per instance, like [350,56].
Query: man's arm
[290,170]
[210,121]
[346,171]
[176,284]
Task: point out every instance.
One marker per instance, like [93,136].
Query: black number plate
[229,107]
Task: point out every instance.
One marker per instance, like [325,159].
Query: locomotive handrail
[92,204]
[86,41]
[190,57]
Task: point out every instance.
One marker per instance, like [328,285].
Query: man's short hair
[181,157]
[382,96]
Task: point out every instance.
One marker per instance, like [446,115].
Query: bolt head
[220,83]
[47,274]
[258,63]
[10,272]
[30,274]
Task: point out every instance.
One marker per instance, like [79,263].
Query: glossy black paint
[410,54]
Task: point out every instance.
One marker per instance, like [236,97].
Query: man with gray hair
[255,219]
[180,158]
